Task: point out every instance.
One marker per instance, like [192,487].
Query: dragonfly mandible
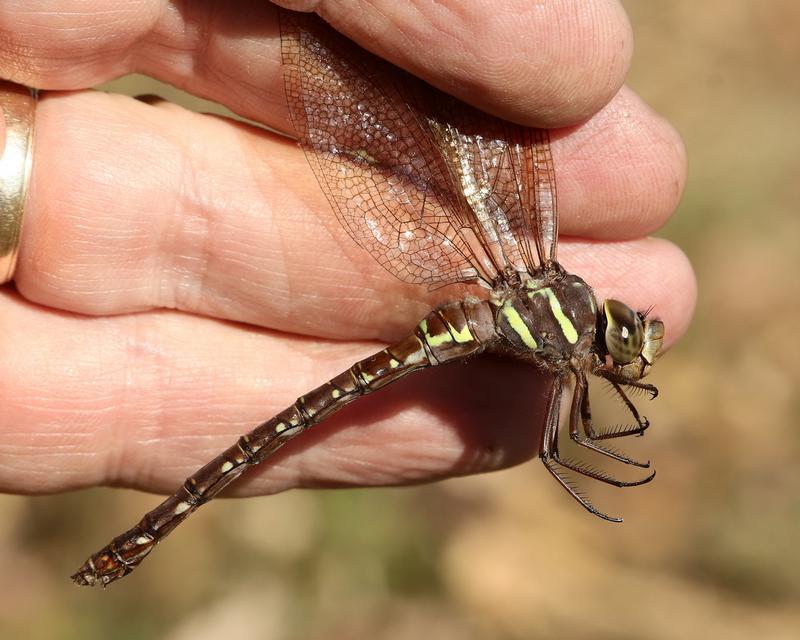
[438,193]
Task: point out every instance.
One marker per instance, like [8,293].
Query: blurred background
[709,550]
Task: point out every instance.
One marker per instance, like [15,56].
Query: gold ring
[18,104]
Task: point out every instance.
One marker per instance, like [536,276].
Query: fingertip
[645,273]
[677,290]
[546,65]
[622,173]
[591,45]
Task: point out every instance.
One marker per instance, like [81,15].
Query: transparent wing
[534,162]
[436,191]
[506,174]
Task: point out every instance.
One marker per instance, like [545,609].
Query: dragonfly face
[631,340]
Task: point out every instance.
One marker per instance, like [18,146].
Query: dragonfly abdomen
[450,332]
[457,330]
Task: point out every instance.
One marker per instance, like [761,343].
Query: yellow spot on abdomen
[181,508]
[435,341]
[461,336]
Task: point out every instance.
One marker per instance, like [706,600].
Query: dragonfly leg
[578,400]
[621,431]
[636,384]
[549,446]
[581,412]
[552,460]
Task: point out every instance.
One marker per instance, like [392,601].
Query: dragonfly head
[630,338]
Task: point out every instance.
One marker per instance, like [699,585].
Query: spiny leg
[581,407]
[642,423]
[644,386]
[578,400]
[549,445]
[550,458]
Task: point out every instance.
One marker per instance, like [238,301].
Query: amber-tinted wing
[436,191]
[505,173]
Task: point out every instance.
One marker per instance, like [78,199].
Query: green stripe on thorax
[592,303]
[567,328]
[518,325]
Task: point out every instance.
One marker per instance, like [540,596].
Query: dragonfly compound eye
[624,334]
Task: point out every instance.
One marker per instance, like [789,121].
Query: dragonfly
[438,193]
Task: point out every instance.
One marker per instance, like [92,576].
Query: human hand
[182,278]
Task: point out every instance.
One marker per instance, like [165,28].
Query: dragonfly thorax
[552,319]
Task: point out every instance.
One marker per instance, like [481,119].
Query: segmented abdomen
[450,332]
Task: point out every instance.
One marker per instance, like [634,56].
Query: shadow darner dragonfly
[438,193]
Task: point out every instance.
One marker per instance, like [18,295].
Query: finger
[144,400]
[133,207]
[646,274]
[141,400]
[547,64]
[621,174]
